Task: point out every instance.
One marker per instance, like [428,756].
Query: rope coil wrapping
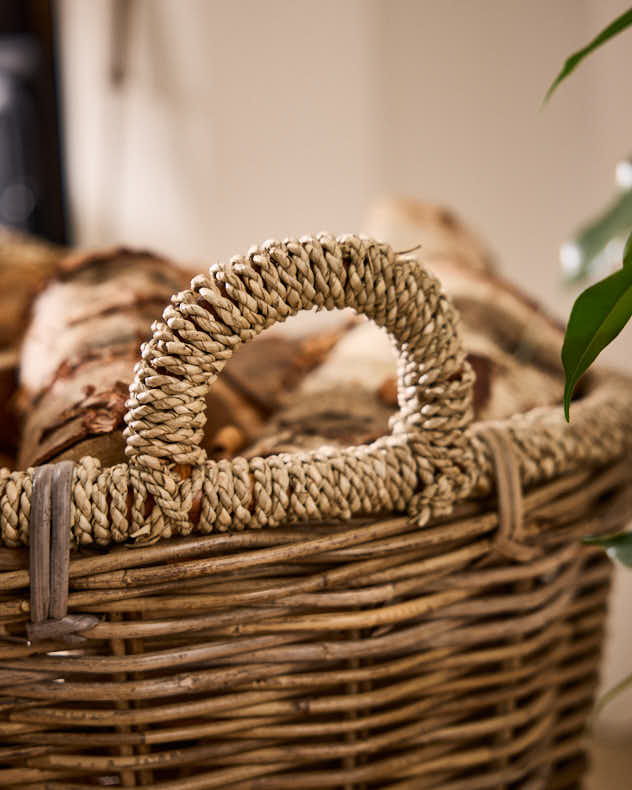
[205,325]
[431,459]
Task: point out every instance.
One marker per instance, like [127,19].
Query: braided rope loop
[425,461]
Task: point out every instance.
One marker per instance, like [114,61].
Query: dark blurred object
[119,41]
[31,182]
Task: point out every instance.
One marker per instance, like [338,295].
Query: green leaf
[597,317]
[571,63]
[615,221]
[618,547]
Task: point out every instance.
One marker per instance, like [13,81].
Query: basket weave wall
[419,613]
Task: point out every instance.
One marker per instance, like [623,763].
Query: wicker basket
[418,613]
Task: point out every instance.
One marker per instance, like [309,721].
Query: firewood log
[26,264]
[339,416]
[439,233]
[9,433]
[79,352]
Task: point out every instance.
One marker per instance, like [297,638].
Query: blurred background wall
[199,127]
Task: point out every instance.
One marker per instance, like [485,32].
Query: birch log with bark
[79,352]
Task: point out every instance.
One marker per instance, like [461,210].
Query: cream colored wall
[245,119]
[461,89]
[237,121]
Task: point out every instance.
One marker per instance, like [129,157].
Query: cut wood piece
[405,223]
[339,417]
[515,322]
[84,403]
[9,432]
[80,349]
[256,384]
[226,407]
[276,364]
[100,305]
[26,263]
[364,357]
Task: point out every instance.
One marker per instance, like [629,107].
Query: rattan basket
[418,613]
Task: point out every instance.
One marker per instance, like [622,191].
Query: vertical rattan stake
[510,538]
[49,529]
[60,540]
[39,545]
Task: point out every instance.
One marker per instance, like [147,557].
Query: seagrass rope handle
[204,326]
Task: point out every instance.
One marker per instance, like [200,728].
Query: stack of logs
[72,325]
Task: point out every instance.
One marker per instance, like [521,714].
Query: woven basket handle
[204,326]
